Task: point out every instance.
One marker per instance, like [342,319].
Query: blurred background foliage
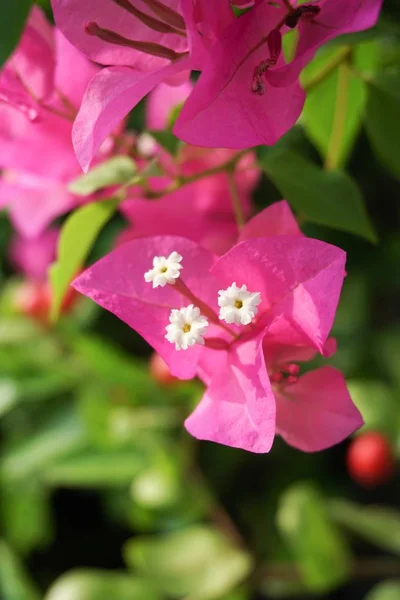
[102,492]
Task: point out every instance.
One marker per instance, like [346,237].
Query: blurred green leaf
[379,526]
[96,469]
[157,486]
[12,20]
[387,590]
[321,554]
[90,584]
[279,587]
[331,199]
[382,121]
[8,395]
[15,583]
[387,353]
[111,364]
[335,106]
[167,140]
[115,171]
[25,515]
[76,239]
[57,437]
[198,562]
[378,406]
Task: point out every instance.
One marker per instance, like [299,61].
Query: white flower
[237,305]
[165,270]
[187,327]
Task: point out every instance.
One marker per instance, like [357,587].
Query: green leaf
[58,437]
[322,557]
[378,406]
[95,469]
[115,171]
[388,590]
[15,583]
[76,239]
[91,584]
[12,20]
[197,562]
[332,199]
[167,140]
[382,121]
[8,395]
[25,515]
[380,526]
[334,107]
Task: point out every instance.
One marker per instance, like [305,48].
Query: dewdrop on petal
[165,270]
[187,327]
[237,305]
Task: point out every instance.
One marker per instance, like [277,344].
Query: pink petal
[162,101]
[276,219]
[116,282]
[337,17]
[285,342]
[34,202]
[32,257]
[73,71]
[317,411]
[238,408]
[109,97]
[205,21]
[223,110]
[181,213]
[34,58]
[298,277]
[73,15]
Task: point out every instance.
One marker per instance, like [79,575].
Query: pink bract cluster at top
[246,95]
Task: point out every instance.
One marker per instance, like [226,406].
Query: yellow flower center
[238,304]
[186,328]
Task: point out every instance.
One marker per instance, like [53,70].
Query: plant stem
[328,68]
[182,181]
[339,120]
[236,203]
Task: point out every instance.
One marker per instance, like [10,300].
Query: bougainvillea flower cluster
[243,323]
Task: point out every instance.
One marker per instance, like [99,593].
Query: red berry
[160,370]
[370,459]
[33,299]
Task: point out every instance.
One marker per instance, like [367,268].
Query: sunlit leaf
[115,171]
[76,239]
[334,108]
